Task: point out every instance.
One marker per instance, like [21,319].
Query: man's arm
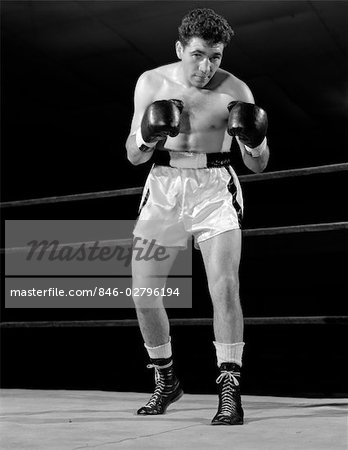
[152,122]
[256,163]
[143,96]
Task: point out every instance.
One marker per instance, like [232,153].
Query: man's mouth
[202,77]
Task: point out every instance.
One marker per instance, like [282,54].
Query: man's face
[200,60]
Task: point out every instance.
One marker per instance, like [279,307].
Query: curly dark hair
[205,23]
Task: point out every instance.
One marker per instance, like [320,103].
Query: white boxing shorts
[180,202]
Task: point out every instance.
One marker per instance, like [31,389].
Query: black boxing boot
[167,389]
[230,411]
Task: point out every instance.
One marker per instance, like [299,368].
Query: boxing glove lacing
[229,380]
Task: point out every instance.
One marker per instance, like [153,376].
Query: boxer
[185,117]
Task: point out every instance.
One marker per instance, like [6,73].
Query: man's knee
[225,281]
[146,293]
[224,288]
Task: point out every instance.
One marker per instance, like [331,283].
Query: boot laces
[230,381]
[159,382]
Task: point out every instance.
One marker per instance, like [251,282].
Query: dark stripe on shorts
[144,201]
[232,188]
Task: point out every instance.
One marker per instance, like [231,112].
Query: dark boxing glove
[161,119]
[249,123]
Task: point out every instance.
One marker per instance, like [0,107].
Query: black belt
[221,159]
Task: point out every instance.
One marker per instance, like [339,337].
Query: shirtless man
[186,115]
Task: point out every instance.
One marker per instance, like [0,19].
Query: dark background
[68,74]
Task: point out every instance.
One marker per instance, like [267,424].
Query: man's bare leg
[154,325]
[221,255]
[151,274]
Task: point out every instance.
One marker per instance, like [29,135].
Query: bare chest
[203,109]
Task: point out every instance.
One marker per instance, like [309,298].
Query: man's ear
[179,49]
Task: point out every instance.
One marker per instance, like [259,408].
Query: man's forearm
[134,155]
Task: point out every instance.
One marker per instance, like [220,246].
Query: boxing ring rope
[271,231]
[137,190]
[292,320]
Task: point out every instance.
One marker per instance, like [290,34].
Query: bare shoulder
[150,79]
[154,78]
[231,85]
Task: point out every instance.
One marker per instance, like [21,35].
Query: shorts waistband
[189,160]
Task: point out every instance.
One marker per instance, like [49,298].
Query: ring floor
[74,420]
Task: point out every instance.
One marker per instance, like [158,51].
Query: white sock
[229,353]
[162,351]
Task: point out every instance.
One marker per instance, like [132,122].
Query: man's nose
[204,65]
